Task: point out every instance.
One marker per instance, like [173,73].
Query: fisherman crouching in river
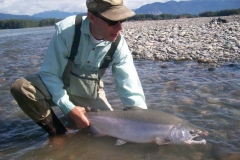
[80,51]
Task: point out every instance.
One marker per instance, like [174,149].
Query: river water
[207,98]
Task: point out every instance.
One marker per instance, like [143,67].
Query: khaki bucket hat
[113,10]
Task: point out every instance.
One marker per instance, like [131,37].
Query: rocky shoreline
[194,39]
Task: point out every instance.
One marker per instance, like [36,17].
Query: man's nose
[118,26]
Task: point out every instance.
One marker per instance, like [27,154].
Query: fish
[144,126]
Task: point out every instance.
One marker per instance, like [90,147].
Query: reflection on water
[208,99]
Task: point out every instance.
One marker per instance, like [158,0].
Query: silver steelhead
[144,126]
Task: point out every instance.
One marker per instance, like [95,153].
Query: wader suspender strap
[74,50]
[109,55]
[76,39]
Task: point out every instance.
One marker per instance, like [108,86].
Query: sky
[30,7]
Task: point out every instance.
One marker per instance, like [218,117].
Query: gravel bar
[205,40]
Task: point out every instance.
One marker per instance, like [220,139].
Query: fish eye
[191,132]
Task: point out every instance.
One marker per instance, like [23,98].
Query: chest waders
[34,99]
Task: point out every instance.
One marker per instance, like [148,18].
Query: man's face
[102,30]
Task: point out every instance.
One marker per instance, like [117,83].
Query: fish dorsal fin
[131,108]
[161,141]
[120,142]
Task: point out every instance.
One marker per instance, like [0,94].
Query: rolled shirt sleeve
[128,85]
[51,72]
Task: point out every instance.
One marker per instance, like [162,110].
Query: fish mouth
[181,133]
[194,135]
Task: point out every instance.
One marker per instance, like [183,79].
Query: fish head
[186,133]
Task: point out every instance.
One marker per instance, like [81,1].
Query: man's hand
[78,116]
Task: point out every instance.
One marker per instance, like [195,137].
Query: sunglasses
[109,22]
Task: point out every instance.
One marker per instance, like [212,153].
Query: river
[207,98]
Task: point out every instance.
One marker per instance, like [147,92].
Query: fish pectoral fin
[120,142]
[161,141]
[96,132]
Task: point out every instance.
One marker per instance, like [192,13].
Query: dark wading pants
[34,99]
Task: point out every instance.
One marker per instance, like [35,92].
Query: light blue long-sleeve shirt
[89,57]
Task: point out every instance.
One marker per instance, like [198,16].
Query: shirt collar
[86,29]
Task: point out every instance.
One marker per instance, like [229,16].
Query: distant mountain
[11,16]
[191,7]
[42,15]
[55,14]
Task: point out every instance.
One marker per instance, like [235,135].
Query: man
[36,94]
